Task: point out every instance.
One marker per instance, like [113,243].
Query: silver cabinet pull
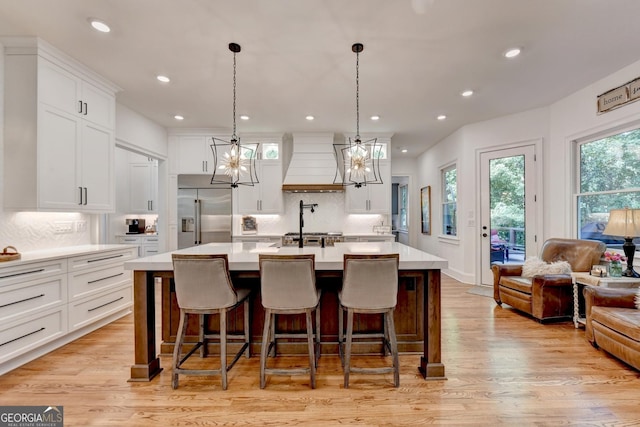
[105,258]
[22,273]
[80,195]
[85,195]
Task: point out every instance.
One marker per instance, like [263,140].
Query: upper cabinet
[374,198]
[59,132]
[192,154]
[264,197]
[143,184]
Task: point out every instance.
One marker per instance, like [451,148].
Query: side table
[585,279]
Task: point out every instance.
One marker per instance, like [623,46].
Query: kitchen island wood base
[417,317]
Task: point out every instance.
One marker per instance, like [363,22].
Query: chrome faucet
[302,208]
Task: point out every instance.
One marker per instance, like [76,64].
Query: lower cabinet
[44,305]
[147,244]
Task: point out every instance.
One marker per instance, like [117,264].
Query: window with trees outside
[449,201]
[608,178]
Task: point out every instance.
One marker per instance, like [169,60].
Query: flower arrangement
[614,257]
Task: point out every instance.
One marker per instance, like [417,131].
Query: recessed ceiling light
[404,150]
[441,117]
[512,53]
[163,79]
[244,117]
[467,93]
[375,118]
[178,117]
[310,118]
[99,25]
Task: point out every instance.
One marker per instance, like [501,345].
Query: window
[449,201]
[403,202]
[608,178]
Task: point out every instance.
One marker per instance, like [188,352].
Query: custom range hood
[313,167]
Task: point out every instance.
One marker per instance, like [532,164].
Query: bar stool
[370,285]
[203,287]
[288,286]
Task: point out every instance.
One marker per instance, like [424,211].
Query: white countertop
[244,256]
[64,252]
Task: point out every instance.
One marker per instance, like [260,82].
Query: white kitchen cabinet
[266,196]
[46,304]
[194,155]
[371,199]
[147,244]
[143,187]
[59,133]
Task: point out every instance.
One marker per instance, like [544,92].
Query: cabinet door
[140,187]
[270,176]
[97,166]
[58,178]
[249,198]
[357,199]
[58,88]
[380,194]
[194,155]
[98,106]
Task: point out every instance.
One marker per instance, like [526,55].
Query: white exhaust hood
[312,168]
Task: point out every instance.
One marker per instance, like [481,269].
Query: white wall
[573,117]
[408,167]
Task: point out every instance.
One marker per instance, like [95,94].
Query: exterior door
[508,211]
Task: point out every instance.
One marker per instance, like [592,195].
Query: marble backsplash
[29,231]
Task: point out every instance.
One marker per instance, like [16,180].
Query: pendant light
[358,161]
[233,163]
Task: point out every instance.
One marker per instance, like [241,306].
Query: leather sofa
[546,297]
[613,322]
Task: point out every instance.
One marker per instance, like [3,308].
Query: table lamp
[625,223]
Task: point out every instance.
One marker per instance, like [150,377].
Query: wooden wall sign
[622,95]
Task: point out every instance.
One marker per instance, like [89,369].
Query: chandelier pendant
[233,163]
[358,162]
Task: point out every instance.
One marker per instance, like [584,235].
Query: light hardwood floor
[502,368]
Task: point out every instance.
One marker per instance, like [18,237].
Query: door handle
[80,195]
[80,107]
[85,195]
[86,110]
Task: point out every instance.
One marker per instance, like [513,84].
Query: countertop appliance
[312,239]
[135,226]
[204,213]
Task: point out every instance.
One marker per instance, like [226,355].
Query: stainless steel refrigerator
[204,214]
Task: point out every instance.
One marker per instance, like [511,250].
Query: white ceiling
[296,58]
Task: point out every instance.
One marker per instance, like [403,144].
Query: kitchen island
[418,298]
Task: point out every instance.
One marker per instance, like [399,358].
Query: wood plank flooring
[503,368]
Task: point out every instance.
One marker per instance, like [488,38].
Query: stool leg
[223,347]
[177,349]
[247,327]
[265,346]
[317,334]
[273,333]
[394,346]
[311,344]
[341,333]
[201,333]
[347,351]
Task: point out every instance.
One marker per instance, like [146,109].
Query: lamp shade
[624,223]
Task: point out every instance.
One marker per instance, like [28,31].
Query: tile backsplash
[29,231]
[329,216]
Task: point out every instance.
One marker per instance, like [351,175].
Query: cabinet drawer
[34,296]
[87,311]
[89,282]
[25,272]
[129,240]
[19,337]
[102,258]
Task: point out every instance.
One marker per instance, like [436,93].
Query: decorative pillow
[534,266]
[638,299]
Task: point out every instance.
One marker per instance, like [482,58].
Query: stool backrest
[288,281]
[370,281]
[202,281]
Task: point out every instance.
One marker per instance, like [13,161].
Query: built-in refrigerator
[204,213]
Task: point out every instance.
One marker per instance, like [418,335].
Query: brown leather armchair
[546,297]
